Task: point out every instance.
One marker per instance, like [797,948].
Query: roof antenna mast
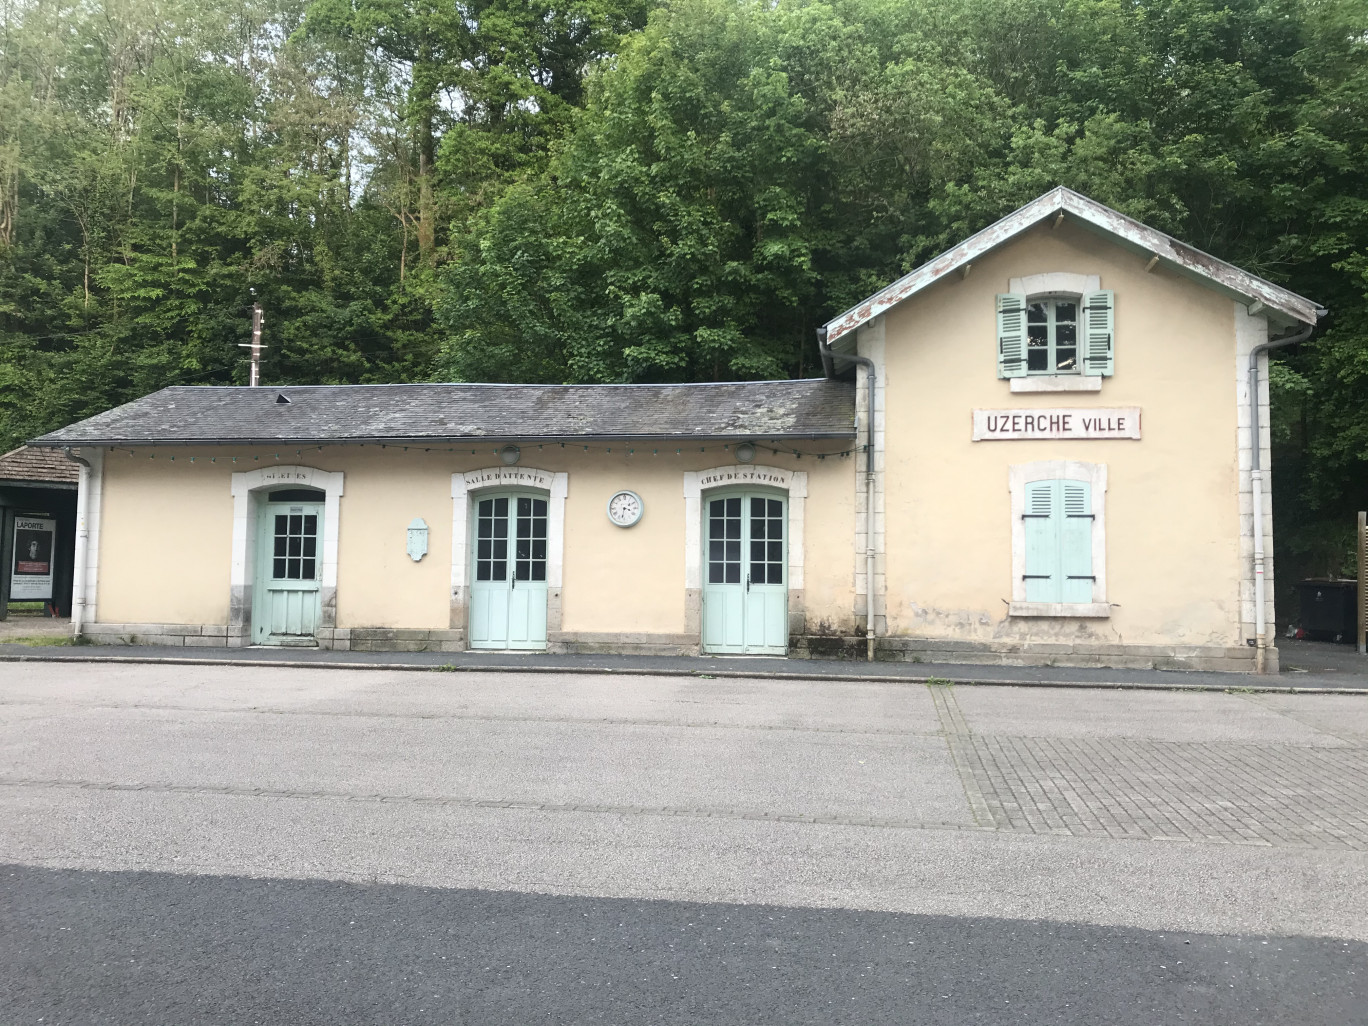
[255,345]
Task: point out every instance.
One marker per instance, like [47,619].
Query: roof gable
[1262,296]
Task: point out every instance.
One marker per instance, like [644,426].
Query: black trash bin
[1329,609]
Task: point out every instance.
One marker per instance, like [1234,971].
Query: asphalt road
[233,845]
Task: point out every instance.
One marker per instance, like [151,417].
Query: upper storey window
[1050,336]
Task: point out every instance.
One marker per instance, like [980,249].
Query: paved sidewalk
[1310,666]
[212,845]
[28,626]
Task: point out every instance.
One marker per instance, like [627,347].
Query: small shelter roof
[1262,296]
[37,467]
[432,413]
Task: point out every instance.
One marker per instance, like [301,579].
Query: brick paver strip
[1279,795]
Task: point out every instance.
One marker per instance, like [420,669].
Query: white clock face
[624,508]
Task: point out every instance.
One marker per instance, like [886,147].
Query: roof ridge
[506,384]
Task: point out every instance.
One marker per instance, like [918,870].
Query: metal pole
[256,345]
[1362,540]
[6,557]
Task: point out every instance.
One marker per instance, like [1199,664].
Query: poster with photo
[34,541]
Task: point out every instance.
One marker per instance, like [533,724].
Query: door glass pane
[530,551]
[724,541]
[294,547]
[491,540]
[767,546]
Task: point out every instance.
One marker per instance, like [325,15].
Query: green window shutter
[1099,328]
[1075,542]
[1042,542]
[1011,327]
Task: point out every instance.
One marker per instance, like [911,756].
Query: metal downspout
[1256,490]
[78,571]
[828,358]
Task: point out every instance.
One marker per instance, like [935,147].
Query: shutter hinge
[1036,577]
[1080,577]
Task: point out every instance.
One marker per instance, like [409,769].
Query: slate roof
[38,466]
[201,415]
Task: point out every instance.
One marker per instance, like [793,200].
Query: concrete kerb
[702,674]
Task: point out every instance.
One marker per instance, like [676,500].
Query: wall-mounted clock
[625,508]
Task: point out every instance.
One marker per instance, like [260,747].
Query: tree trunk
[424,93]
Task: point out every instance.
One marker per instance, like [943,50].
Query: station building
[1048,444]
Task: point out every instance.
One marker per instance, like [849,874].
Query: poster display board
[34,543]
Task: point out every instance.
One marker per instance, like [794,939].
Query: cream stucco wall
[165,543]
[166,533]
[1172,516]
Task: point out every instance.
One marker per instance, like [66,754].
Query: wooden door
[508,579]
[285,603]
[745,591]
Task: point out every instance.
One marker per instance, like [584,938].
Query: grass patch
[39,639]
[27,607]
[939,682]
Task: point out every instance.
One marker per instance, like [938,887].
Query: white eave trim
[1168,250]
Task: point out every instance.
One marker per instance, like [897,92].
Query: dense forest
[632,190]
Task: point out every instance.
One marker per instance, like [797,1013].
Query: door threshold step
[739,655]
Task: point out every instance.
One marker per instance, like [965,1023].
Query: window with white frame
[1059,539]
[1053,335]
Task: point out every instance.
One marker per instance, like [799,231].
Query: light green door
[508,586]
[745,590]
[285,602]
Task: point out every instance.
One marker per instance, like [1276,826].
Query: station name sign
[527,476]
[745,475]
[1024,425]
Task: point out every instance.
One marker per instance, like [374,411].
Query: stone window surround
[557,487]
[244,486]
[1053,283]
[1095,475]
[794,482]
